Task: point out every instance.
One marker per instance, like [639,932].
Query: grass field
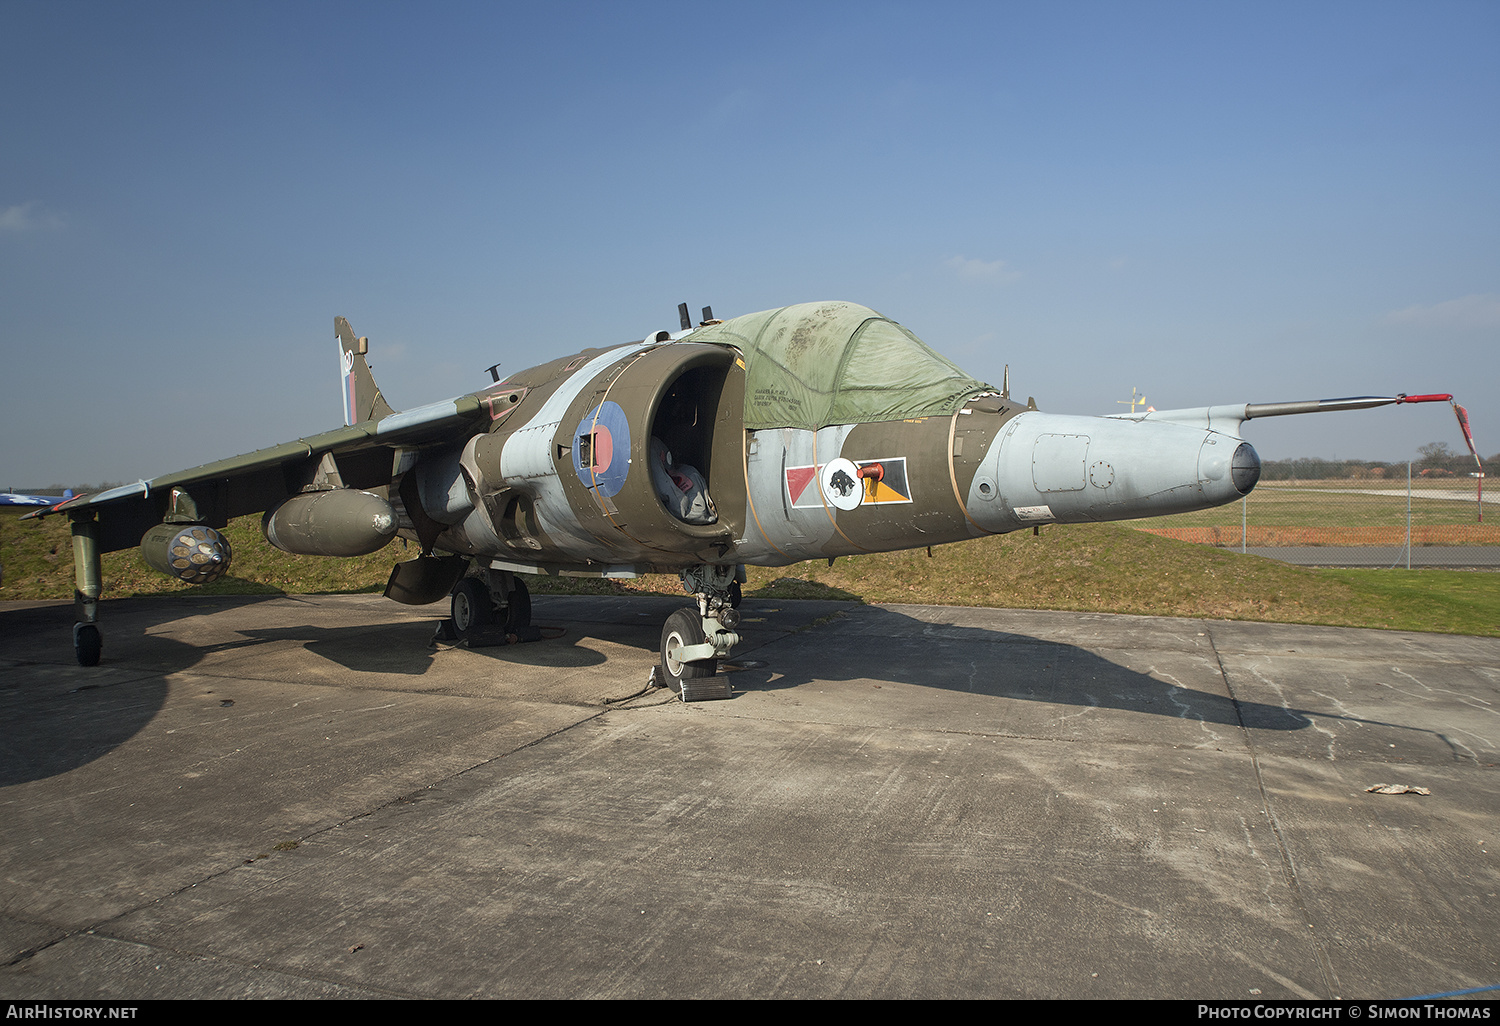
[1337,513]
[1096,567]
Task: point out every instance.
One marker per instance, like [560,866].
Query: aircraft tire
[683,627]
[87,644]
[471,605]
[518,609]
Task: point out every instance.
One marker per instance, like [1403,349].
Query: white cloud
[1469,313]
[26,217]
[992,272]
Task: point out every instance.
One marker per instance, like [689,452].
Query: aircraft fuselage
[560,482]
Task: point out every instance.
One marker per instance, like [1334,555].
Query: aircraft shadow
[59,717]
[878,643]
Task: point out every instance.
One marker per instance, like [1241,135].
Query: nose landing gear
[692,644]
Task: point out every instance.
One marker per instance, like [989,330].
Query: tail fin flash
[362,398]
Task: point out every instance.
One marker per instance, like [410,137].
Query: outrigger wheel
[87,644]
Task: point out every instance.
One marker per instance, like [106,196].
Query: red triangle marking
[797,479]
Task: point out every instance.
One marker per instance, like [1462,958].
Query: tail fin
[362,398]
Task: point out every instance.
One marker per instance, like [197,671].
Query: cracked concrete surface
[298,797]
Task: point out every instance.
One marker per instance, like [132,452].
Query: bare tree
[1435,454]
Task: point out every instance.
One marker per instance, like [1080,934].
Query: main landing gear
[692,643]
[493,606]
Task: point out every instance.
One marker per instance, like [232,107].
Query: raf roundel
[601,449]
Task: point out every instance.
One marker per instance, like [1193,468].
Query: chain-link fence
[1373,520]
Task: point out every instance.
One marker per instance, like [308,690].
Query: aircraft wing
[366,455]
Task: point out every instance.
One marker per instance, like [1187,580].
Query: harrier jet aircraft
[808,432]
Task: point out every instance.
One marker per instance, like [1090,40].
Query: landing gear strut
[87,641]
[692,645]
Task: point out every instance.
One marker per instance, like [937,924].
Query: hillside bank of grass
[1095,568]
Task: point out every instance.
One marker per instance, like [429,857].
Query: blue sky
[1210,202]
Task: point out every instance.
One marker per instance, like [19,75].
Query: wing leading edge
[365,454]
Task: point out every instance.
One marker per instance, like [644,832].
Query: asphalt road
[1455,556]
[298,797]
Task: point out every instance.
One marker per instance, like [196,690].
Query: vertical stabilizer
[362,398]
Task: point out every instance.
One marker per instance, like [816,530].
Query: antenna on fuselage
[1136,399]
[687,322]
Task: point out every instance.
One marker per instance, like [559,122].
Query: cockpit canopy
[815,364]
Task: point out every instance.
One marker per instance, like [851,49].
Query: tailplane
[362,398]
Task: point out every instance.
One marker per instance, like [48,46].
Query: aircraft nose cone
[1244,469]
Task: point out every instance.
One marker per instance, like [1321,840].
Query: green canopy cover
[816,364]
